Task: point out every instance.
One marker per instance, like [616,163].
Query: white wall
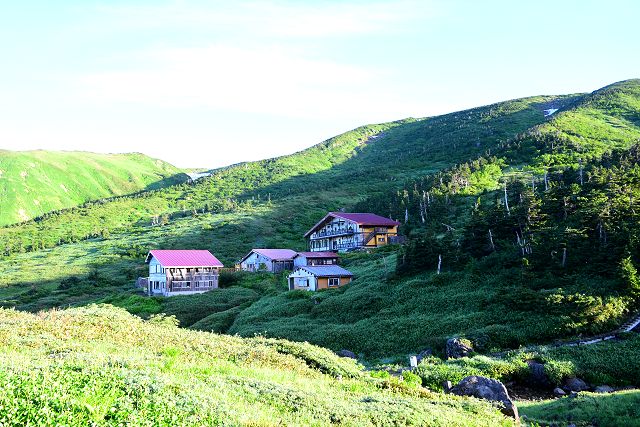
[303,274]
[156,274]
[254,261]
[327,242]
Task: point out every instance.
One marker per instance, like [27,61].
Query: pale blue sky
[209,83]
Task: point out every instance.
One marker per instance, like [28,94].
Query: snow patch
[550,111]
[198,175]
[23,215]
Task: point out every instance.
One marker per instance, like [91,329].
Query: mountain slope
[558,259]
[332,174]
[464,160]
[33,183]
[100,366]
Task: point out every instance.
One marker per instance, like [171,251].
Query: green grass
[612,363]
[588,409]
[101,366]
[33,183]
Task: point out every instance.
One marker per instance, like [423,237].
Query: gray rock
[538,377]
[559,392]
[488,389]
[447,386]
[347,353]
[424,353]
[573,394]
[604,389]
[457,348]
[575,384]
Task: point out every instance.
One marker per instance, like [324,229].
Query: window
[210,282]
[334,281]
[301,282]
[381,239]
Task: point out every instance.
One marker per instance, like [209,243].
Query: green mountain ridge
[33,183]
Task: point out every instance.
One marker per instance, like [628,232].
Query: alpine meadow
[520,225]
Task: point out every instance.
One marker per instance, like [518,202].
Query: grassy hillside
[447,174]
[33,183]
[100,366]
[298,188]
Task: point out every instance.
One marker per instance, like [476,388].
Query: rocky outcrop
[604,389]
[559,392]
[488,389]
[347,353]
[458,347]
[575,384]
[538,377]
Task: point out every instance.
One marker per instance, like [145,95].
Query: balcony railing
[193,277]
[181,286]
[331,233]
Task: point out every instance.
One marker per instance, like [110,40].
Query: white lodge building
[340,231]
[181,272]
[271,260]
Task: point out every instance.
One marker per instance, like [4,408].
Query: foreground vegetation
[610,363]
[99,365]
[587,409]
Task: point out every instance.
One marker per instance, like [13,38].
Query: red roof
[274,254]
[184,258]
[359,218]
[319,254]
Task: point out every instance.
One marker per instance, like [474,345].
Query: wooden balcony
[333,233]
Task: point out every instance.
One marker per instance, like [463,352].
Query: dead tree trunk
[439,263]
[546,180]
[493,247]
[506,200]
[581,173]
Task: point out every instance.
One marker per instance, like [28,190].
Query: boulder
[424,353]
[488,389]
[447,386]
[604,389]
[538,377]
[559,392]
[575,384]
[457,348]
[347,353]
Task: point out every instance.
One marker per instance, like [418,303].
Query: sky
[210,83]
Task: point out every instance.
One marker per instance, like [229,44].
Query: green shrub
[411,379]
